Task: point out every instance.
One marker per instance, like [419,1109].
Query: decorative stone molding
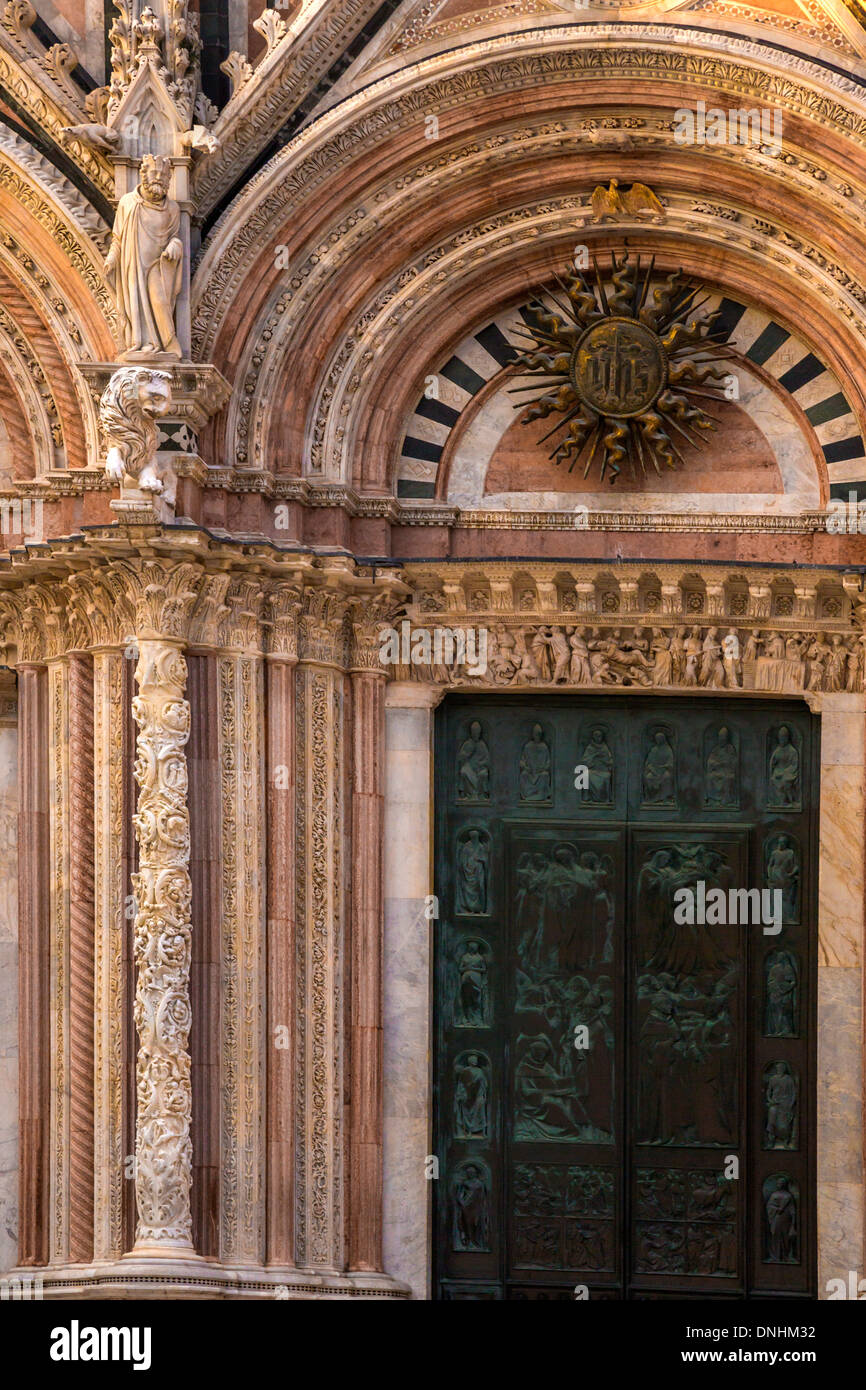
[643,627]
[295,61]
[39,82]
[648,53]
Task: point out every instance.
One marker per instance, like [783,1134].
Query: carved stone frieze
[666,628]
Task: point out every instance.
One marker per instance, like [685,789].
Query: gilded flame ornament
[626,364]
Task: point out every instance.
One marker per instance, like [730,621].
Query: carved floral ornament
[579,625]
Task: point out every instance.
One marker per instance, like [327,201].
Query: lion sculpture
[131,403]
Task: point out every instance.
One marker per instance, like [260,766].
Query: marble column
[163,1151]
[58,957]
[281,775]
[321,698]
[204,793]
[840,988]
[33,918]
[110,902]
[242,955]
[365,1016]
[408,959]
[8,971]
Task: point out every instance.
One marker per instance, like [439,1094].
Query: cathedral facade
[433,689]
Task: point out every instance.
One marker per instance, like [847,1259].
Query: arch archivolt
[355,295]
[38,408]
[468,86]
[409,322]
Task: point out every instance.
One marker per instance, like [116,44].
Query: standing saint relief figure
[144,265]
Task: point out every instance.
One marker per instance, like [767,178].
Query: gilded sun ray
[625,362]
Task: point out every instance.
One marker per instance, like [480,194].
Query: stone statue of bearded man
[145,264]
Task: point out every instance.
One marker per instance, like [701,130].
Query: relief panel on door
[624,1088]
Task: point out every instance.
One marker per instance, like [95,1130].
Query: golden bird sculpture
[613,203]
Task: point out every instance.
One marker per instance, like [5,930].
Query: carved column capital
[282,608]
[322,627]
[369,619]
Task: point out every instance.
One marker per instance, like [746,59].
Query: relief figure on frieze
[659,771]
[470,1203]
[597,758]
[781,1229]
[534,771]
[780,1107]
[782,874]
[473,871]
[721,770]
[472,1096]
[472,994]
[781,995]
[473,766]
[783,774]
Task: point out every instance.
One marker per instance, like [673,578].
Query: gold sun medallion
[626,363]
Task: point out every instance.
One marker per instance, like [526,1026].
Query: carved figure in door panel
[470,1207]
[686,1071]
[553,1097]
[473,872]
[535,769]
[781,1220]
[783,770]
[472,1096]
[473,766]
[471,1007]
[721,769]
[564,908]
[782,874]
[658,784]
[781,1106]
[678,943]
[596,757]
[781,994]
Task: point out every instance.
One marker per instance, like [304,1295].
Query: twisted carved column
[33,912]
[81,949]
[162,953]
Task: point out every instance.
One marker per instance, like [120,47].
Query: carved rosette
[162,887]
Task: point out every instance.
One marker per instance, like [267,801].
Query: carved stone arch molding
[255,317]
[360,386]
[50,237]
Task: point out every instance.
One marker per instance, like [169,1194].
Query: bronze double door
[625,1028]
